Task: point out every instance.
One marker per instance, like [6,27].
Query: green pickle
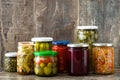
[37,47]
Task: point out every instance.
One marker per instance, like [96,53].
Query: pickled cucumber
[37,46]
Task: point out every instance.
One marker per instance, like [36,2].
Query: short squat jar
[45,63]
[42,43]
[78,59]
[103,57]
[10,64]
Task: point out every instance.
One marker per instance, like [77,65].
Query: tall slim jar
[25,58]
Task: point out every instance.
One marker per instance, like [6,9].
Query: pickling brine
[103,57]
[25,58]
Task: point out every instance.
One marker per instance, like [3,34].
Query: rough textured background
[20,20]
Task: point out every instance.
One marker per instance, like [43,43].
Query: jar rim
[45,53]
[102,44]
[11,54]
[78,45]
[41,39]
[25,43]
[87,27]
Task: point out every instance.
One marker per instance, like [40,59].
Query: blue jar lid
[60,42]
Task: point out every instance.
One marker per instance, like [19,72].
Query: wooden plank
[56,18]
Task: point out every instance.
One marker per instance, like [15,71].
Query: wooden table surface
[15,76]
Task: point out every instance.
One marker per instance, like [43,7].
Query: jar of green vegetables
[42,43]
[87,34]
[10,64]
[25,58]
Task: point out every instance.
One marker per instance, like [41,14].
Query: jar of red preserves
[78,59]
[103,58]
[61,48]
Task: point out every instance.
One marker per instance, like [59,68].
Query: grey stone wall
[20,20]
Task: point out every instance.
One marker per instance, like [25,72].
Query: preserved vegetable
[87,34]
[45,63]
[103,57]
[10,64]
[78,59]
[61,48]
[42,43]
[25,58]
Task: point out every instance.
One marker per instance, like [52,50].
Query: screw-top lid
[25,43]
[78,45]
[60,42]
[11,54]
[87,27]
[45,53]
[102,44]
[42,39]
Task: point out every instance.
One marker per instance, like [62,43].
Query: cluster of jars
[46,57]
[101,55]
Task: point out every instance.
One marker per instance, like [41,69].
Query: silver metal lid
[78,45]
[11,54]
[87,27]
[102,44]
[42,39]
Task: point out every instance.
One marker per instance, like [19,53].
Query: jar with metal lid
[87,34]
[10,64]
[25,58]
[60,47]
[78,59]
[45,63]
[42,43]
[103,57]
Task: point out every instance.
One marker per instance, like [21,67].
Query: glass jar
[78,59]
[42,43]
[45,63]
[61,48]
[88,34]
[25,58]
[10,64]
[103,57]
